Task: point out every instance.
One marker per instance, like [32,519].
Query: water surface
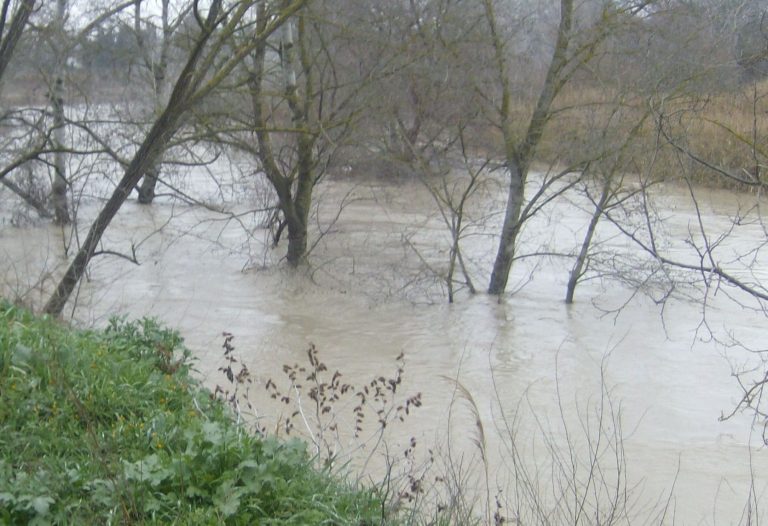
[371,294]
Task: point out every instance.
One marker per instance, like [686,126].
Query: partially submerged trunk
[519,153]
[294,190]
[158,70]
[579,266]
[506,253]
[297,243]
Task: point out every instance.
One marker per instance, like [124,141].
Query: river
[530,363]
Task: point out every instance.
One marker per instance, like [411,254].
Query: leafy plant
[108,426]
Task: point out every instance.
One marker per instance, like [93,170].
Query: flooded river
[534,367]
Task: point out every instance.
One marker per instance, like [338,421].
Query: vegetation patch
[108,426]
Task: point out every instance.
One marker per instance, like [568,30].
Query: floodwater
[535,368]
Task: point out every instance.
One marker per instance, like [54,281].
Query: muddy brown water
[529,360]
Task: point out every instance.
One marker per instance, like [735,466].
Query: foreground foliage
[108,426]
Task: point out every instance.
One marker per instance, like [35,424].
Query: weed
[319,406]
[101,427]
[345,423]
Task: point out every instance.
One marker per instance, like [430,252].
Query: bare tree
[610,174]
[199,76]
[36,137]
[518,155]
[571,51]
[303,94]
[452,196]
[295,204]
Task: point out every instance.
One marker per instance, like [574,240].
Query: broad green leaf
[42,504]
[213,433]
[227,498]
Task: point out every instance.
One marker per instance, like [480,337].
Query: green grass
[100,427]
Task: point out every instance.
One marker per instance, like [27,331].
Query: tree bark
[297,242]
[59,184]
[506,253]
[149,183]
[10,38]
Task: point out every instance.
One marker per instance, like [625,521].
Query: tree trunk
[59,184]
[519,154]
[509,229]
[296,204]
[581,259]
[297,242]
[159,70]
[148,184]
[159,86]
[10,38]
[297,237]
[265,154]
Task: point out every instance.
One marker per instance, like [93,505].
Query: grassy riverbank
[100,427]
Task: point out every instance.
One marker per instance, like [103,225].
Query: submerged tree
[296,104]
[155,57]
[519,153]
[428,121]
[204,69]
[295,181]
[577,41]
[607,184]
